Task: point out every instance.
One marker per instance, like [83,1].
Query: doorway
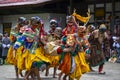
[7,27]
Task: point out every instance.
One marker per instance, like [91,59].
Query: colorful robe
[97,56]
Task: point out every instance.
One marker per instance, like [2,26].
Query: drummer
[53,39]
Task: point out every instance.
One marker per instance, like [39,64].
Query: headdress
[58,31]
[90,28]
[21,20]
[69,19]
[81,29]
[102,28]
[53,23]
[70,28]
[35,20]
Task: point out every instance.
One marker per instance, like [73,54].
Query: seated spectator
[113,56]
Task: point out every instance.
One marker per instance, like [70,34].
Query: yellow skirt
[20,59]
[54,60]
[84,65]
[13,57]
[37,56]
[10,57]
[80,66]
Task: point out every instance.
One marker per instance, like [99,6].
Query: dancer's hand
[87,56]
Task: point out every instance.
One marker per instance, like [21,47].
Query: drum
[51,49]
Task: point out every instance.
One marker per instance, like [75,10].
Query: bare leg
[36,71]
[60,75]
[30,73]
[32,76]
[55,68]
[27,73]
[65,76]
[16,71]
[21,74]
[47,71]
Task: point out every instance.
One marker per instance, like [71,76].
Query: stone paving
[112,73]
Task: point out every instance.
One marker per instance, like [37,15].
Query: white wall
[13,18]
[44,16]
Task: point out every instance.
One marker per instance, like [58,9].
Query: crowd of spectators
[115,45]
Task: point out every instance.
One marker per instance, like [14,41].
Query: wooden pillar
[70,7]
[112,22]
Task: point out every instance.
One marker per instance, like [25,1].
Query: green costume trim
[35,42]
[71,53]
[76,51]
[30,35]
[14,33]
[87,51]
[39,63]
[63,54]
